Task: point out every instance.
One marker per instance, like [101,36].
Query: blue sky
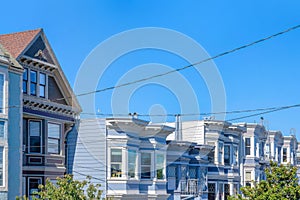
[264,75]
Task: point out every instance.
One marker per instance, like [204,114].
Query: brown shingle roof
[15,43]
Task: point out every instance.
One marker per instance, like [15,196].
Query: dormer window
[37,83]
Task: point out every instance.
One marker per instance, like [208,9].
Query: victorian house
[10,126]
[49,110]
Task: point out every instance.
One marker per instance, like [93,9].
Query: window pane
[2,129]
[42,79]
[33,88]
[247,142]
[116,170]
[33,187]
[116,155]
[33,78]
[53,146]
[35,136]
[25,74]
[1,166]
[227,155]
[146,172]
[42,91]
[24,86]
[146,159]
[131,163]
[53,130]
[160,166]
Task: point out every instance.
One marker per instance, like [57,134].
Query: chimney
[178,129]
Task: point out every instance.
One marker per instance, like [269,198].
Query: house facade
[127,156]
[224,161]
[49,109]
[10,126]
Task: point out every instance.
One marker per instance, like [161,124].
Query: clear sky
[264,75]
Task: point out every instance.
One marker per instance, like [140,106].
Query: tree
[281,184]
[67,188]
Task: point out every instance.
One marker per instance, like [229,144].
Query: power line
[189,66]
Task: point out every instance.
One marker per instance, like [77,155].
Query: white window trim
[109,163]
[60,137]
[41,140]
[151,165]
[136,176]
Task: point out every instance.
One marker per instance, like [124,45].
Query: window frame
[247,146]
[120,173]
[215,190]
[235,156]
[28,186]
[3,166]
[2,108]
[26,70]
[42,84]
[146,165]
[157,167]
[33,83]
[59,138]
[41,137]
[135,164]
[284,157]
[229,154]
[221,153]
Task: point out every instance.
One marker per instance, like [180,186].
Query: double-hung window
[247,146]
[33,82]
[235,155]
[35,137]
[227,154]
[220,153]
[116,163]
[42,85]
[1,93]
[25,80]
[1,165]
[33,187]
[284,155]
[160,160]
[145,165]
[131,163]
[54,132]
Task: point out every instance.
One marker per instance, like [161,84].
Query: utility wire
[188,66]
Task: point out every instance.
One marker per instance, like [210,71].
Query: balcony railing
[190,187]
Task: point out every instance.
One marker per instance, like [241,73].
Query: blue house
[10,126]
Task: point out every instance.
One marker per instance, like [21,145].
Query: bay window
[35,137]
[54,132]
[145,165]
[116,163]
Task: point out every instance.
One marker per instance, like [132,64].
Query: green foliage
[67,188]
[281,184]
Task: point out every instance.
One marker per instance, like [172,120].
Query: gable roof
[15,43]
[18,43]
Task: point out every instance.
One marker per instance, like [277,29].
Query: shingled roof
[15,43]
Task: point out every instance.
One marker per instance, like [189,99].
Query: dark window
[227,155]
[33,187]
[1,165]
[247,146]
[33,82]
[25,80]
[2,129]
[54,138]
[284,154]
[226,191]
[42,84]
[35,136]
[211,191]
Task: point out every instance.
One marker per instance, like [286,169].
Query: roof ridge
[32,30]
